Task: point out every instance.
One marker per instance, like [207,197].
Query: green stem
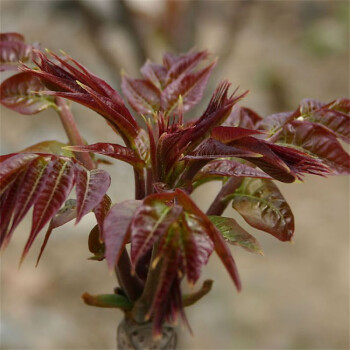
[219,204]
[72,132]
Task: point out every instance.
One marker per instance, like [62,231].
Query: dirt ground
[297,295]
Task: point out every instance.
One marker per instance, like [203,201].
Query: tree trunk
[132,335]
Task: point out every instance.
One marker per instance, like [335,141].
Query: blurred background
[297,295]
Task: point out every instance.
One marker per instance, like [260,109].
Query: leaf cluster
[172,155]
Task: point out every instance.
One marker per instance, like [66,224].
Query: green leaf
[234,234]
[262,206]
[50,147]
[108,301]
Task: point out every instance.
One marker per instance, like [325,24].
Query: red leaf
[262,206]
[154,73]
[341,105]
[243,117]
[29,190]
[212,149]
[215,114]
[64,215]
[21,93]
[181,65]
[219,244]
[101,211]
[227,167]
[167,281]
[88,78]
[275,122]
[226,134]
[190,87]
[115,229]
[143,96]
[270,163]
[319,142]
[57,186]
[11,164]
[308,105]
[151,220]
[12,53]
[196,247]
[112,150]
[84,87]
[337,122]
[91,186]
[11,36]
[7,205]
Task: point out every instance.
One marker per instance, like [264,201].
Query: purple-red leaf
[91,186]
[58,184]
[262,205]
[183,64]
[317,141]
[101,211]
[82,86]
[243,117]
[151,220]
[11,165]
[143,96]
[115,229]
[11,36]
[21,93]
[67,213]
[28,190]
[196,246]
[12,52]
[219,244]
[341,105]
[112,150]
[190,87]
[228,134]
[8,202]
[335,121]
[154,73]
[212,149]
[228,167]
[275,122]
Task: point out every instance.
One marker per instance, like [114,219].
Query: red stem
[219,204]
[72,132]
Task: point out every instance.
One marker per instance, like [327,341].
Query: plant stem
[219,204]
[139,184]
[131,285]
[143,304]
[72,132]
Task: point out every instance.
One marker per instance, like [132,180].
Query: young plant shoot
[171,153]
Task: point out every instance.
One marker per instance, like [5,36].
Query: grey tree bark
[132,335]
